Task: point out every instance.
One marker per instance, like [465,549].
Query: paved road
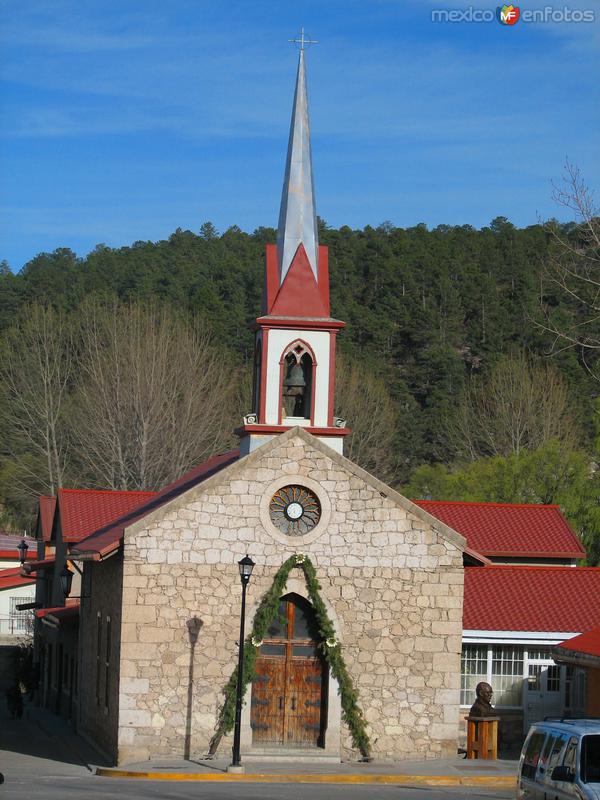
[42,759]
[30,787]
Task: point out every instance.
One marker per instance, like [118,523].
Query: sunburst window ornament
[294,510]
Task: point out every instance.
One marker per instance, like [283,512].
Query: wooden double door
[289,692]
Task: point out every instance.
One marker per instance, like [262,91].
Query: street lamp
[22,547]
[66,579]
[246,565]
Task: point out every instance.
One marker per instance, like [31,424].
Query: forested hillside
[434,317]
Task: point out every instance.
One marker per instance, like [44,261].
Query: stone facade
[391,577]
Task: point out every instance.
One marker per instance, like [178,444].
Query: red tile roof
[46,509]
[509,529]
[11,578]
[106,540]
[82,511]
[519,598]
[587,643]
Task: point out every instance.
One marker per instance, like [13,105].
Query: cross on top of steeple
[302,40]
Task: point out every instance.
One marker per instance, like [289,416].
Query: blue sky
[123,121]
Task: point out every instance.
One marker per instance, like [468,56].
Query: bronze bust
[482,707]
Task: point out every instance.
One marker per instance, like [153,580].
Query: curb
[499,781]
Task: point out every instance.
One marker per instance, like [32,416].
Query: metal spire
[297,219]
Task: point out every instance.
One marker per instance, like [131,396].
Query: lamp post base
[238,769]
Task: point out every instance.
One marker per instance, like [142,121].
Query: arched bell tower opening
[297,384]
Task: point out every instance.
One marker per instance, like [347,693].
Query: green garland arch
[330,647]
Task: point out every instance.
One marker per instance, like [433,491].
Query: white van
[560,760]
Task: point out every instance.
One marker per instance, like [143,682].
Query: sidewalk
[432,772]
[43,744]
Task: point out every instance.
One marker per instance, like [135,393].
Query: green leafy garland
[331,648]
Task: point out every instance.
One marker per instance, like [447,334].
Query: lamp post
[22,547]
[66,579]
[246,565]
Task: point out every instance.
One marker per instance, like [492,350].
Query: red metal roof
[60,612]
[106,540]
[11,578]
[47,506]
[509,529]
[522,598]
[587,643]
[82,511]
[35,566]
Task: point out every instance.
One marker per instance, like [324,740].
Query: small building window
[107,661]
[98,654]
[297,382]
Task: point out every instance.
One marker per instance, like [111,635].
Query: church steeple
[294,354]
[297,215]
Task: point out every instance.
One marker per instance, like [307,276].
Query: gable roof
[82,511]
[509,529]
[105,540]
[11,578]
[524,598]
[586,644]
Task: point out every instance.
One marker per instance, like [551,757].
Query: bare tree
[570,291]
[35,372]
[155,395]
[520,405]
[363,399]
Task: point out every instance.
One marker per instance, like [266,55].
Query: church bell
[295,378]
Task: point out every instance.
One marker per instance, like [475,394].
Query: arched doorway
[289,692]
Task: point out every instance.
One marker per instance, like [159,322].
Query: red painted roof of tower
[82,511]
[523,598]
[587,643]
[11,578]
[106,539]
[299,292]
[509,529]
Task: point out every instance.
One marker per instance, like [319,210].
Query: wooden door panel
[288,704]
[268,701]
[304,703]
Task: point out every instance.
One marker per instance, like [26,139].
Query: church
[346,556]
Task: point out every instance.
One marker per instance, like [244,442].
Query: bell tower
[294,351]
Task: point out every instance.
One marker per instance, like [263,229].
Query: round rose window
[294,510]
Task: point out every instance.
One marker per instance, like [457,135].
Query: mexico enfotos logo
[509,15]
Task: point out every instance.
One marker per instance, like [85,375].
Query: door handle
[281,703]
[293,703]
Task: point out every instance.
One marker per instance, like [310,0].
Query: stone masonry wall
[392,582]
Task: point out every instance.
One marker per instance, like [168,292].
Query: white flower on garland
[256,642]
[331,642]
[300,558]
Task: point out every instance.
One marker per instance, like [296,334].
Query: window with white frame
[20,621]
[507,675]
[473,670]
[503,666]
